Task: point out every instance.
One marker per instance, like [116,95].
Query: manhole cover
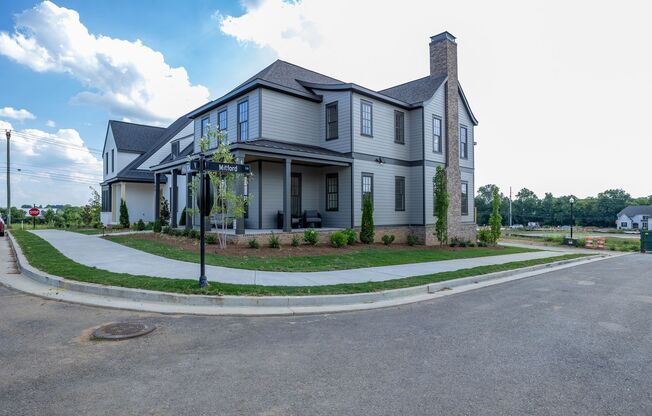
[123,330]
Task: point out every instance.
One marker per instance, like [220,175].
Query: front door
[295,195]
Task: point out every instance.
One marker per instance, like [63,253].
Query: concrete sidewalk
[107,255]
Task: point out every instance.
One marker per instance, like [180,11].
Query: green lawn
[364,257]
[43,256]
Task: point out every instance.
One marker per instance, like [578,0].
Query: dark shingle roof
[131,137]
[131,171]
[287,74]
[415,91]
[636,210]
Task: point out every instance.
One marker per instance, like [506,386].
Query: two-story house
[129,152]
[315,143]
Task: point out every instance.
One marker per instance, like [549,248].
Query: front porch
[292,188]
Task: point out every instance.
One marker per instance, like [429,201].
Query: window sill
[332,138]
[371,136]
[402,143]
[332,210]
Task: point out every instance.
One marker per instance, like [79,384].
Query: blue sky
[560,88]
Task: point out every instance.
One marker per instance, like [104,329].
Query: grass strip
[43,256]
[364,257]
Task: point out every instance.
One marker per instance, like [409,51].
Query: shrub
[367,229]
[274,242]
[310,236]
[463,243]
[453,242]
[471,244]
[186,232]
[194,234]
[211,239]
[295,241]
[253,243]
[482,244]
[388,239]
[484,235]
[124,214]
[149,226]
[140,225]
[351,236]
[412,240]
[157,226]
[339,239]
[166,230]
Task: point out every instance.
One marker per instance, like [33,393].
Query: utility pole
[8,133]
[510,207]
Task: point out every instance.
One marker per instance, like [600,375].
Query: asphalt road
[574,342]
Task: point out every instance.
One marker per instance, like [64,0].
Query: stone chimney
[443,62]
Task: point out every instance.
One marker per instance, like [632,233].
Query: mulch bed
[192,244]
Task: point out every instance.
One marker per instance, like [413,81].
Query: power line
[23,166]
[57,179]
[53,142]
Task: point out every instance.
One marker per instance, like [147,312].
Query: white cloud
[553,83]
[21,114]
[49,168]
[129,78]
[51,123]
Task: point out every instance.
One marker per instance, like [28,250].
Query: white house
[129,151]
[635,217]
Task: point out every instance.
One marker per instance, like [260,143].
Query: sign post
[201,165]
[202,225]
[34,212]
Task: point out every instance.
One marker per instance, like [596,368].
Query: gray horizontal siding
[290,119]
[435,107]
[343,142]
[384,212]
[232,118]
[382,143]
[465,120]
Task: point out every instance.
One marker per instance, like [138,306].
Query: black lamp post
[572,201]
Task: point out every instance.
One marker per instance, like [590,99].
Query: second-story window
[106,163]
[112,160]
[243,121]
[366,118]
[464,143]
[436,134]
[399,127]
[222,122]
[205,124]
[331,121]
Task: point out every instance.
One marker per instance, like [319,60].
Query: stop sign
[34,212]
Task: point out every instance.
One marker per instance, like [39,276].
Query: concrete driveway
[574,342]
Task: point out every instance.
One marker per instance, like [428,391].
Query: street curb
[272,305]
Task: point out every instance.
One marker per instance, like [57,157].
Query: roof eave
[256,83]
[466,104]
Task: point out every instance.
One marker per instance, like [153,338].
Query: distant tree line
[527,207]
[62,216]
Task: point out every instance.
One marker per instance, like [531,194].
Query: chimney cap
[442,36]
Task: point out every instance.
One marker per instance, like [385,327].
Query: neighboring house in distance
[129,150]
[315,143]
[635,217]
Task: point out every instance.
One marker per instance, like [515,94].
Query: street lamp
[572,201]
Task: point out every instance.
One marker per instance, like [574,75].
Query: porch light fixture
[380,160]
